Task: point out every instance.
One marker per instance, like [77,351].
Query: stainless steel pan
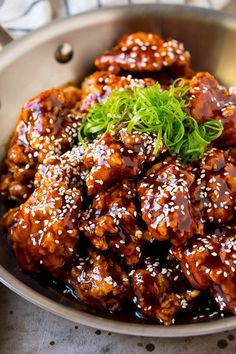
[29,65]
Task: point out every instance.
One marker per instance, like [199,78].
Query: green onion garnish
[151,109]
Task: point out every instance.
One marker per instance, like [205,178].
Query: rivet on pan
[64,53]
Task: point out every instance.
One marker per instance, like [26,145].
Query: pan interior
[29,66]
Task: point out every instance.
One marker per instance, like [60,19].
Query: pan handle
[5,37]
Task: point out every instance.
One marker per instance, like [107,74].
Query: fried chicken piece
[209,100]
[98,86]
[232,154]
[44,229]
[70,164]
[9,218]
[47,125]
[99,281]
[144,52]
[213,193]
[209,263]
[112,222]
[161,292]
[113,157]
[165,203]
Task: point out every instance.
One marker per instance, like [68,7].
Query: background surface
[21,17]
[26,329]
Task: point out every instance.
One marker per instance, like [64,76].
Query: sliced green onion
[157,111]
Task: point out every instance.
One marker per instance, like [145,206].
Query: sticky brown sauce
[204,310]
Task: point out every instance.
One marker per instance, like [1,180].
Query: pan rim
[91,320]
[7,56]
[56,27]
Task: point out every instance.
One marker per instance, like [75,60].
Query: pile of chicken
[120,197]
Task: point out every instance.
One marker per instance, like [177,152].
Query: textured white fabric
[22,16]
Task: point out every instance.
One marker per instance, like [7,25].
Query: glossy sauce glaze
[110,225]
[166,205]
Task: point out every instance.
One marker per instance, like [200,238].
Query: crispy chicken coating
[47,124]
[98,86]
[113,157]
[165,203]
[44,229]
[9,218]
[209,100]
[213,193]
[112,222]
[232,154]
[57,167]
[159,292]
[142,52]
[99,281]
[209,263]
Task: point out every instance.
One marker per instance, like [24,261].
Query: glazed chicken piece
[209,263]
[213,193]
[44,230]
[161,292]
[112,222]
[111,158]
[98,86]
[165,203]
[232,154]
[209,100]
[47,124]
[9,218]
[70,164]
[99,281]
[144,52]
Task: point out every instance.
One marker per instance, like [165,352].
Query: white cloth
[22,16]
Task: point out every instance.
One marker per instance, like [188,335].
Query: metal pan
[28,66]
